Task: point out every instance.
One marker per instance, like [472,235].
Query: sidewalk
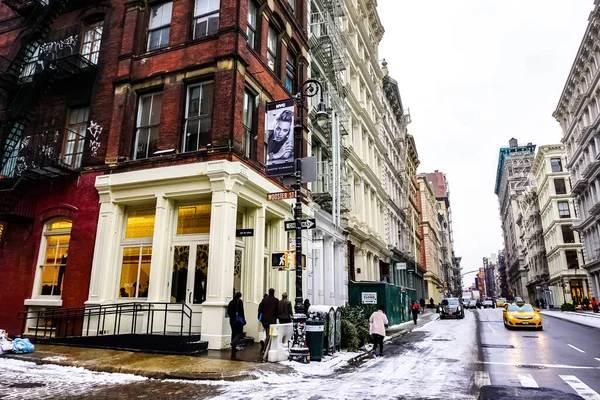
[213,365]
[586,318]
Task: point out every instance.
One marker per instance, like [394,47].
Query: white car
[488,303]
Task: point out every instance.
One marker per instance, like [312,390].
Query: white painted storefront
[169,235]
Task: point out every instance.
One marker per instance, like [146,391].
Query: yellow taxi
[500,302]
[521,315]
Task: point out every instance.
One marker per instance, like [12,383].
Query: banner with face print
[279,134]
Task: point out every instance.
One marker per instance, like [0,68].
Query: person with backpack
[237,320]
[414,308]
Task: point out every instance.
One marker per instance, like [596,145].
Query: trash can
[314,339]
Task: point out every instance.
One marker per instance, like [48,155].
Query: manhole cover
[498,346]
[26,385]
[531,366]
[530,337]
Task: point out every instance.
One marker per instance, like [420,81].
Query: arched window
[55,250]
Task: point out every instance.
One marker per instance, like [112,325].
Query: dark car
[451,308]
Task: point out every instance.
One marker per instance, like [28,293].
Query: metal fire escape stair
[21,97]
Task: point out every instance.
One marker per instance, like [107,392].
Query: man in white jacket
[378,322]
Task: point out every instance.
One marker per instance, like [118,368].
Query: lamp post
[310,88]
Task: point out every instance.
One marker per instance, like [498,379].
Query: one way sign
[306,224]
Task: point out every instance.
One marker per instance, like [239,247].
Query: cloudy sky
[475,73]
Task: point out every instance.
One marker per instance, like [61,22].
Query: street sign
[244,232]
[306,224]
[281,195]
[369,297]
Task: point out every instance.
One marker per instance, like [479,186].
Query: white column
[329,281]
[364,205]
[253,274]
[596,293]
[160,266]
[106,253]
[319,274]
[215,327]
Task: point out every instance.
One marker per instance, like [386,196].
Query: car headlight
[458,308]
[536,317]
[511,317]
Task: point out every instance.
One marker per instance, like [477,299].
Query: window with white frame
[75,136]
[563,209]
[147,125]
[272,49]
[198,116]
[206,18]
[159,27]
[90,47]
[252,23]
[136,247]
[248,123]
[55,248]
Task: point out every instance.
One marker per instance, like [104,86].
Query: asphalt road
[564,356]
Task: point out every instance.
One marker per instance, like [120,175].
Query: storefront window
[193,219]
[137,254]
[57,238]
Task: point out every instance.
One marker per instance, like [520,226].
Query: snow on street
[434,361]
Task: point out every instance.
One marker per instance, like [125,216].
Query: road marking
[597,359]
[491,327]
[559,366]
[573,347]
[482,378]
[528,381]
[581,388]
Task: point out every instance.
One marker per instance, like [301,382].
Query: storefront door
[189,280]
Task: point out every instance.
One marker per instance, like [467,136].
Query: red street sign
[281,195]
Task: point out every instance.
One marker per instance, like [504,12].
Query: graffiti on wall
[59,48]
[95,131]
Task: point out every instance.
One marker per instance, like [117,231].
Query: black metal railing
[98,320]
[23,6]
[50,153]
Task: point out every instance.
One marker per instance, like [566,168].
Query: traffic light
[279,260]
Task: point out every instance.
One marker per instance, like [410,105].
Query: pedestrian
[262,341]
[422,302]
[285,309]
[414,308]
[269,308]
[306,307]
[237,320]
[378,322]
[586,303]
[431,303]
[594,305]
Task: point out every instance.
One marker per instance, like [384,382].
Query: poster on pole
[280,138]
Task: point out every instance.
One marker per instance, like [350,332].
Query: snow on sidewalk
[579,318]
[327,365]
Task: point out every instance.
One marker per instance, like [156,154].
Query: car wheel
[541,328]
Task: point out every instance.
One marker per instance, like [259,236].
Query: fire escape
[329,48]
[36,59]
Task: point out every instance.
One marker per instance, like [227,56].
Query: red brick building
[132,142]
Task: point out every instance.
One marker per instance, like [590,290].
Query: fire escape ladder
[23,87]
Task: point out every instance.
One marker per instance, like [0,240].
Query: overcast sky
[475,73]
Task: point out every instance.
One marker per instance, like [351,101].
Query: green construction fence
[370,295]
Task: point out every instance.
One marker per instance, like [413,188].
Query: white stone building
[578,113]
[327,269]
[563,249]
[368,248]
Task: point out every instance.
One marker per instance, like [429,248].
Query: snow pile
[580,318]
[55,358]
[44,381]
[327,366]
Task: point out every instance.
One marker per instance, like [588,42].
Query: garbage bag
[22,346]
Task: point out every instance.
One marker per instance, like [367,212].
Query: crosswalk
[573,383]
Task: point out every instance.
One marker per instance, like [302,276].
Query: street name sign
[281,195]
[244,232]
[306,224]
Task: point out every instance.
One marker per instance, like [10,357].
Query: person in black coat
[269,308]
[235,308]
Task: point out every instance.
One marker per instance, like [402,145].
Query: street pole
[299,352]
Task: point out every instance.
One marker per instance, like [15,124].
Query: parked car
[451,308]
[473,304]
[522,316]
[488,303]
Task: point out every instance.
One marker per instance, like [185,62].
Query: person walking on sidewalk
[422,303]
[237,320]
[414,308]
[594,305]
[269,309]
[378,322]
[285,309]
[431,303]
